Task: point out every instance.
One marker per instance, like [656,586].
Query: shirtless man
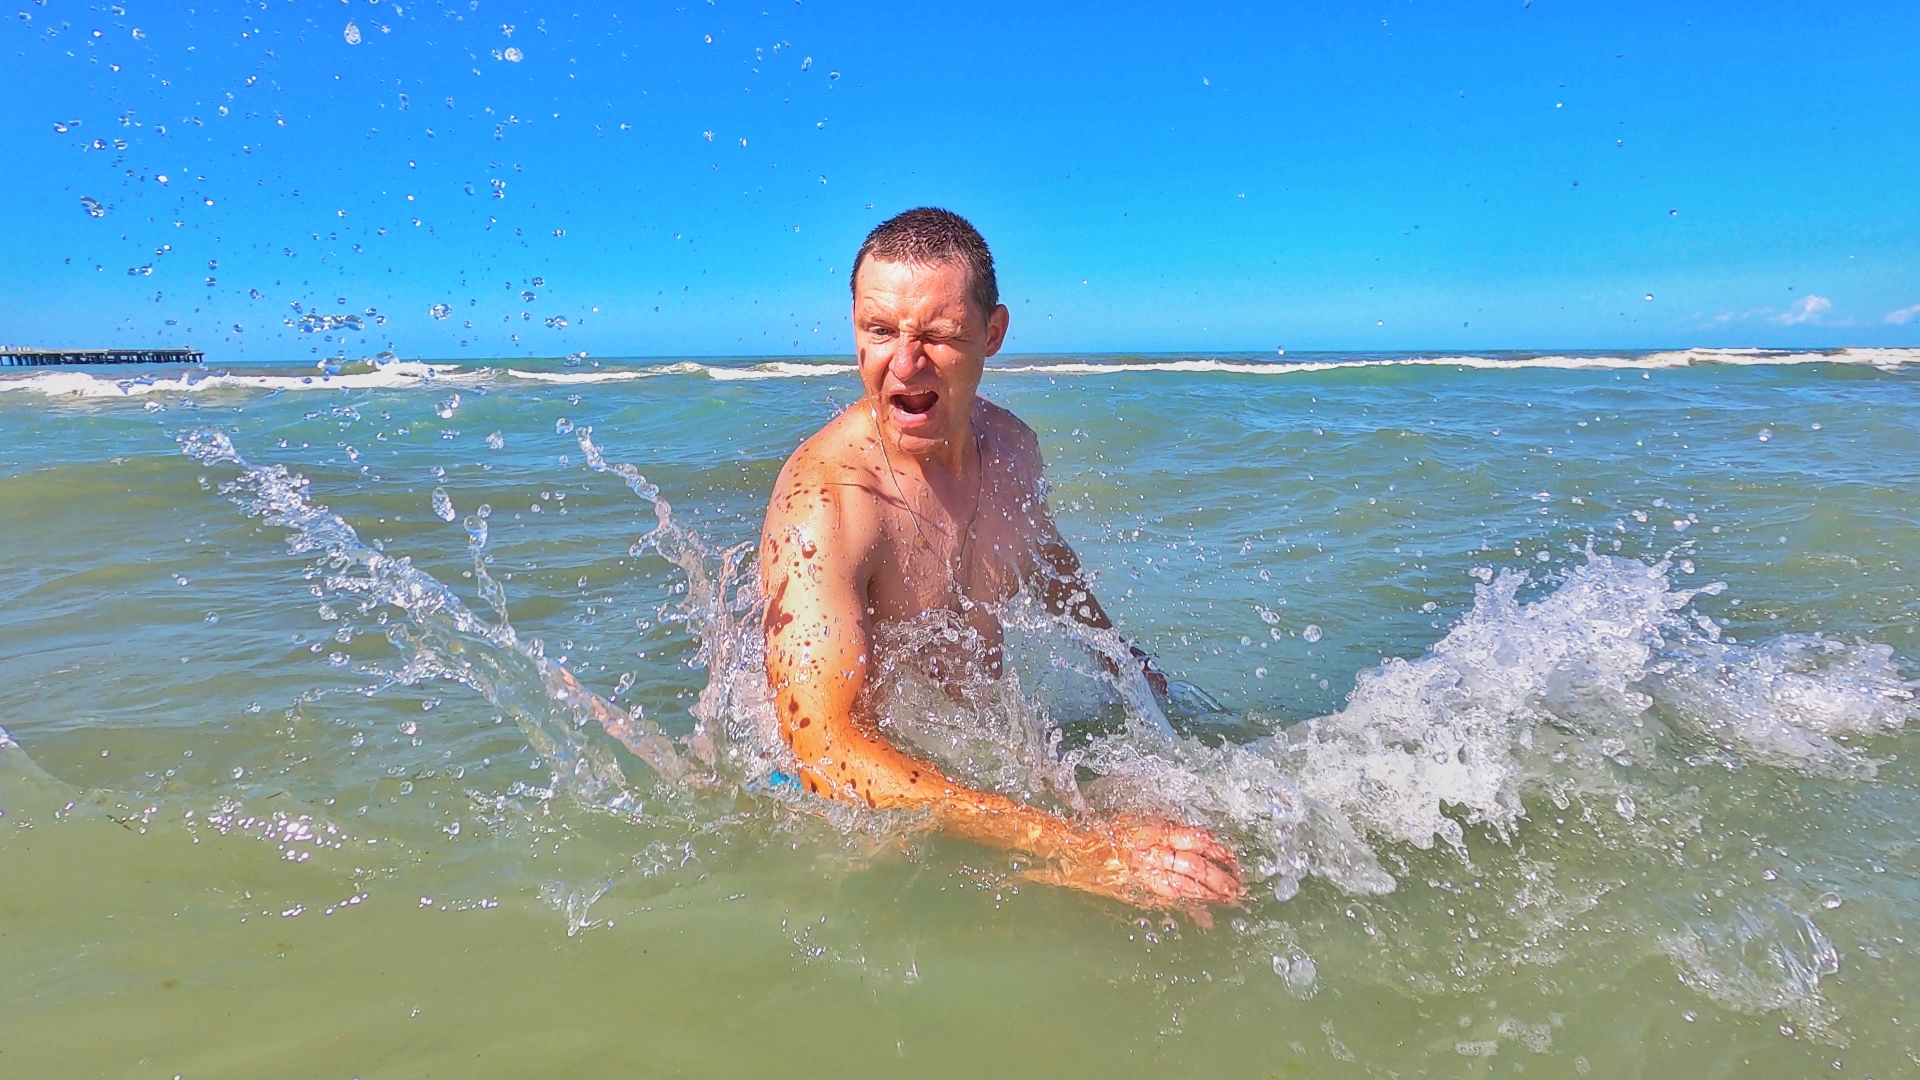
[923,497]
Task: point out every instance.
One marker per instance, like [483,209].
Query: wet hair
[929,234]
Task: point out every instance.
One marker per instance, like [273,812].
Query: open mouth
[916,404]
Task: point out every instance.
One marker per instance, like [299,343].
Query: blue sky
[691,178]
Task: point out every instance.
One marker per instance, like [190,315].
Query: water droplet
[562,426]
[352,34]
[1310,633]
[1649,296]
[806,63]
[1830,901]
[511,54]
[443,504]
[440,311]
[92,206]
[495,441]
[1624,807]
[557,322]
[446,408]
[833,76]
[1765,434]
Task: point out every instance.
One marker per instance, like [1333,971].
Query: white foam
[411,373]
[1796,701]
[1885,359]
[777,370]
[81,384]
[685,367]
[1544,697]
[1454,728]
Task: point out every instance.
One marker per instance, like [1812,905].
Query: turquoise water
[1561,709]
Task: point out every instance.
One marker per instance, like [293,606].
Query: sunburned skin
[923,497]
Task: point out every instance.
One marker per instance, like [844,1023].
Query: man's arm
[1057,577]
[813,566]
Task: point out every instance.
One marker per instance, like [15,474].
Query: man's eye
[879,331]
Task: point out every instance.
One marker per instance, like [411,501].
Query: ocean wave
[1886,359]
[81,384]
[402,374]
[778,369]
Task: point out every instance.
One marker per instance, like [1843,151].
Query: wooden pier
[17,357]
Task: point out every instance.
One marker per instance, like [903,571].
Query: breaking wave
[413,373]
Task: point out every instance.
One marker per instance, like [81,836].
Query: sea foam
[401,374]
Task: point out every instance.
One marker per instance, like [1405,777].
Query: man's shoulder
[1003,427]
[1013,443]
[828,472]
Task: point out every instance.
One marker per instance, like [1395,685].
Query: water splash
[1550,691]
[440,637]
[1765,957]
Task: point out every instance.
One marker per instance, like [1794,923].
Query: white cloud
[1903,316]
[1805,309]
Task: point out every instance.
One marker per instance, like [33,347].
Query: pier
[11,356]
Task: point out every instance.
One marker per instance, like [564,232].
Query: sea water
[1556,706]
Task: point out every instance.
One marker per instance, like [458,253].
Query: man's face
[922,346]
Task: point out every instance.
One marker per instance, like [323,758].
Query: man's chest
[921,567]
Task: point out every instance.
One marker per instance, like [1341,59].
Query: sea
[1556,705]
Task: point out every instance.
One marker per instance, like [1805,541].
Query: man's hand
[1156,678]
[1148,864]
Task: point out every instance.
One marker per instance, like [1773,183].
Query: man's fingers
[1197,841]
[1202,878]
[1186,838]
[1171,886]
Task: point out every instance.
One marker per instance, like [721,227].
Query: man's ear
[997,328]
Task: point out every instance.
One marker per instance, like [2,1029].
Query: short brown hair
[929,234]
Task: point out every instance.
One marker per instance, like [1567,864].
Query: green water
[235,844]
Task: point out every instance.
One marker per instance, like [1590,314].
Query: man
[924,498]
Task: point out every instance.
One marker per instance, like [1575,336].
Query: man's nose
[909,356]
